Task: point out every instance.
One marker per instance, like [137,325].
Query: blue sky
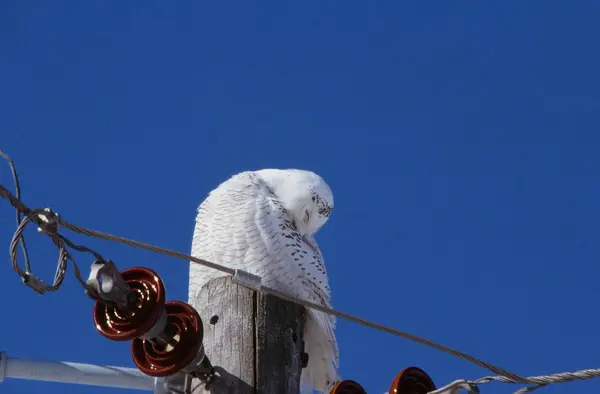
[460,139]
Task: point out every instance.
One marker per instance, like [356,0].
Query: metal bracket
[108,284]
[247,279]
[73,373]
[174,384]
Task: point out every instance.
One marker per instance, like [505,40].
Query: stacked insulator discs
[176,347]
[412,380]
[128,324]
[347,387]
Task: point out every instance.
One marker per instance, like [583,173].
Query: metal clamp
[34,282]
[247,279]
[48,222]
[108,284]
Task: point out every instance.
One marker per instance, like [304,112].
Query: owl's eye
[306,216]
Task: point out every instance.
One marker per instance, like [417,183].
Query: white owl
[263,222]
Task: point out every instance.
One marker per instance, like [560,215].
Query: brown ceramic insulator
[184,333]
[347,387]
[125,325]
[412,380]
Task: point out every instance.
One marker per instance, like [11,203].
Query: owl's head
[304,194]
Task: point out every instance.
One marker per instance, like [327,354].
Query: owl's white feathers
[263,222]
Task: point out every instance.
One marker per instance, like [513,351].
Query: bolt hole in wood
[213,320]
[304,359]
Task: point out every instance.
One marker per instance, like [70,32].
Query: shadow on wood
[253,340]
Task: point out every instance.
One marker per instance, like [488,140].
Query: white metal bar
[77,373]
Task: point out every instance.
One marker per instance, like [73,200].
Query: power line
[49,222]
[537,382]
[168,252]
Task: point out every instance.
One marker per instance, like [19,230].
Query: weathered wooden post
[253,340]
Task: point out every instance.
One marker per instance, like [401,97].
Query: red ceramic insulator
[119,325]
[412,380]
[347,387]
[176,347]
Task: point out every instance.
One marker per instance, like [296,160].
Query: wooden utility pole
[253,340]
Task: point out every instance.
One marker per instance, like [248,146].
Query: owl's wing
[229,231]
[242,225]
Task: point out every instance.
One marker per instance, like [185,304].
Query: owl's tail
[321,373]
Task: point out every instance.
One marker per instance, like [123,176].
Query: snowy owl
[263,222]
